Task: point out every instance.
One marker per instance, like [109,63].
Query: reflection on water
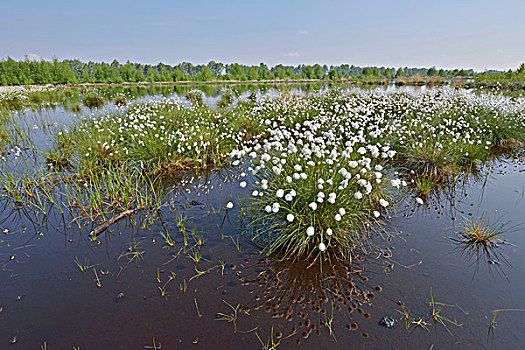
[310,296]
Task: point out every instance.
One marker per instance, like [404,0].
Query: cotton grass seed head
[310,231]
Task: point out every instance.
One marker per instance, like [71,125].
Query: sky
[477,34]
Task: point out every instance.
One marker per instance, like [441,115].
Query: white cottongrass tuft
[310,231]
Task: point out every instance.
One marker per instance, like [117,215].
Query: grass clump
[434,318]
[92,197]
[443,133]
[4,136]
[319,185]
[76,108]
[120,101]
[225,100]
[195,96]
[307,208]
[160,137]
[21,98]
[57,160]
[92,100]
[480,238]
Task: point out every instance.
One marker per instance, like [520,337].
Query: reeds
[93,197]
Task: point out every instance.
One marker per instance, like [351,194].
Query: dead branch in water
[99,229]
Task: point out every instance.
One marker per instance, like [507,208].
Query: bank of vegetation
[27,72]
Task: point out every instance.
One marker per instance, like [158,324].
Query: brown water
[46,298]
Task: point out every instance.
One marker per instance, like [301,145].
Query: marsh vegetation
[269,216]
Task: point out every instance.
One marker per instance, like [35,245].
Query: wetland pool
[210,289]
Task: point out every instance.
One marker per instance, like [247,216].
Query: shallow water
[46,298]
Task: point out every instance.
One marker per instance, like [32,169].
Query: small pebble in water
[387,321]
[119,297]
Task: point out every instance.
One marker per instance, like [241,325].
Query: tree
[216,68]
[432,71]
[521,69]
[253,73]
[264,72]
[308,72]
[318,72]
[333,75]
[204,75]
[238,72]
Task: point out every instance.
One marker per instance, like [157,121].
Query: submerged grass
[434,318]
[92,198]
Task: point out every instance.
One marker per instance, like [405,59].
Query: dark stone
[119,297]
[387,321]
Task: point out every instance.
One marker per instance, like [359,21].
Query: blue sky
[477,34]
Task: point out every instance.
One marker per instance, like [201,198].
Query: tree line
[513,79]
[27,71]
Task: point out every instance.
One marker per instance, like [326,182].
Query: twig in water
[99,229]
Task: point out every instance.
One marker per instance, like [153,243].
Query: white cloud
[33,57]
[303,32]
[292,54]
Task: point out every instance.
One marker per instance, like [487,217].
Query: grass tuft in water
[480,237]
[93,101]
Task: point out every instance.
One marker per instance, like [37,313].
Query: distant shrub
[120,101]
[76,108]
[226,100]
[93,101]
[194,96]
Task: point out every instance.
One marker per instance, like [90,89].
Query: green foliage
[75,71]
[165,138]
[509,80]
